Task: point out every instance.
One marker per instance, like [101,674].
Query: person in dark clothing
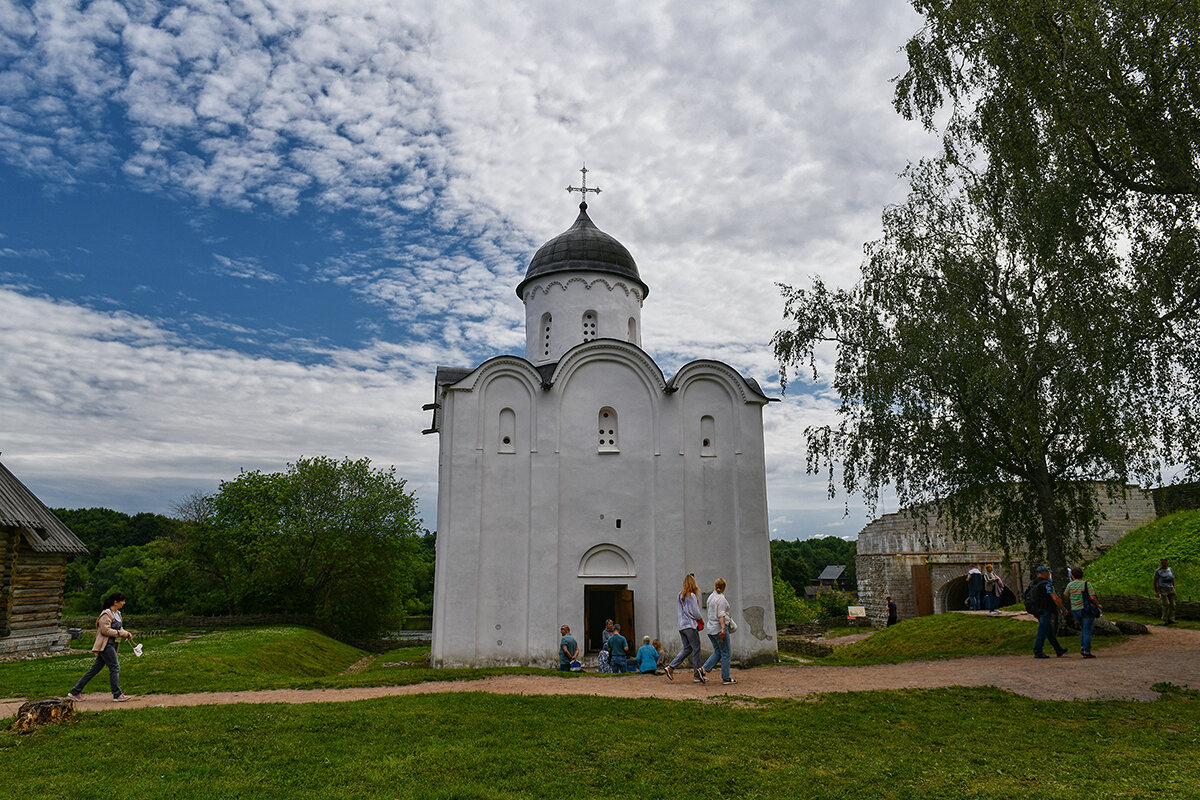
[1048,599]
[893,617]
[974,587]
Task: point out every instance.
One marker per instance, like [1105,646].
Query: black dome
[583,246]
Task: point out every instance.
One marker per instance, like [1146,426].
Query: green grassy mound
[949,636]
[280,657]
[1128,568]
[239,658]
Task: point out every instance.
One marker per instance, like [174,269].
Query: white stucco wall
[524,526]
[567,297]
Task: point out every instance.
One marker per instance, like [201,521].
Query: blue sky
[237,233]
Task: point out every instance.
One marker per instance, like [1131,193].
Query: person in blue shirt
[618,646]
[568,649]
[647,657]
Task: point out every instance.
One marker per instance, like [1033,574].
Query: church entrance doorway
[602,603]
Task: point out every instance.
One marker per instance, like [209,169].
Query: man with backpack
[1040,601]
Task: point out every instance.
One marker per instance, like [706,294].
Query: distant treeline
[334,539]
[800,561]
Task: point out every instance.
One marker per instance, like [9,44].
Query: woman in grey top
[689,630]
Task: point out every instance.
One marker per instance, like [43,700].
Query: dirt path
[1125,671]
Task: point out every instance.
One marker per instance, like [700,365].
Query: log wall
[37,592]
[8,539]
[31,588]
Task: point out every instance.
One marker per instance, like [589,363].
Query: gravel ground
[1125,671]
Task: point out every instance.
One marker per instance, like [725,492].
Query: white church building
[578,484]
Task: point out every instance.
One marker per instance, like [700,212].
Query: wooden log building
[34,548]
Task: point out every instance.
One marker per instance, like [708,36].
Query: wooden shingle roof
[20,509]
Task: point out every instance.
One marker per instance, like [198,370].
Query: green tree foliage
[988,363]
[1107,94]
[159,574]
[107,534]
[800,561]
[331,538]
[788,607]
[338,540]
[104,530]
[1028,321]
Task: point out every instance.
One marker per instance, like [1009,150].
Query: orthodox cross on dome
[583,190]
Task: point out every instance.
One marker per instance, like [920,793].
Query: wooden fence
[1149,606]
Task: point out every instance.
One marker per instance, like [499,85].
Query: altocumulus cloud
[116,402]
[737,146]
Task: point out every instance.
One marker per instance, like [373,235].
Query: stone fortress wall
[896,551]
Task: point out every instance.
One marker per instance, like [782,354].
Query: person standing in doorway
[109,632]
[606,633]
[1164,590]
[688,611]
[1045,600]
[718,633]
[974,587]
[893,615]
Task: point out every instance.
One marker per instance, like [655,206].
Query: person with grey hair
[647,657]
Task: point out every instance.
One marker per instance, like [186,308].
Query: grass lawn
[283,657]
[946,743]
[950,636]
[951,743]
[288,657]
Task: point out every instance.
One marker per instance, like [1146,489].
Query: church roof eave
[753,393]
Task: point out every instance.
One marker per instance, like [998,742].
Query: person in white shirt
[718,632]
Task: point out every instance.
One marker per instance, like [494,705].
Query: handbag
[1090,609]
[730,625]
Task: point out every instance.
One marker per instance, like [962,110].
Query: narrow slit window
[547,323]
[708,436]
[589,325]
[610,440]
[508,432]
[633,331]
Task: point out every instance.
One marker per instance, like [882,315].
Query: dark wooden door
[624,616]
[922,589]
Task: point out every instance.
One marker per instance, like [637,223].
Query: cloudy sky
[237,232]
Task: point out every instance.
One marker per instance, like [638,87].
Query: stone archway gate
[924,569]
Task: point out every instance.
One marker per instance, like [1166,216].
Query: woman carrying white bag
[720,626]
